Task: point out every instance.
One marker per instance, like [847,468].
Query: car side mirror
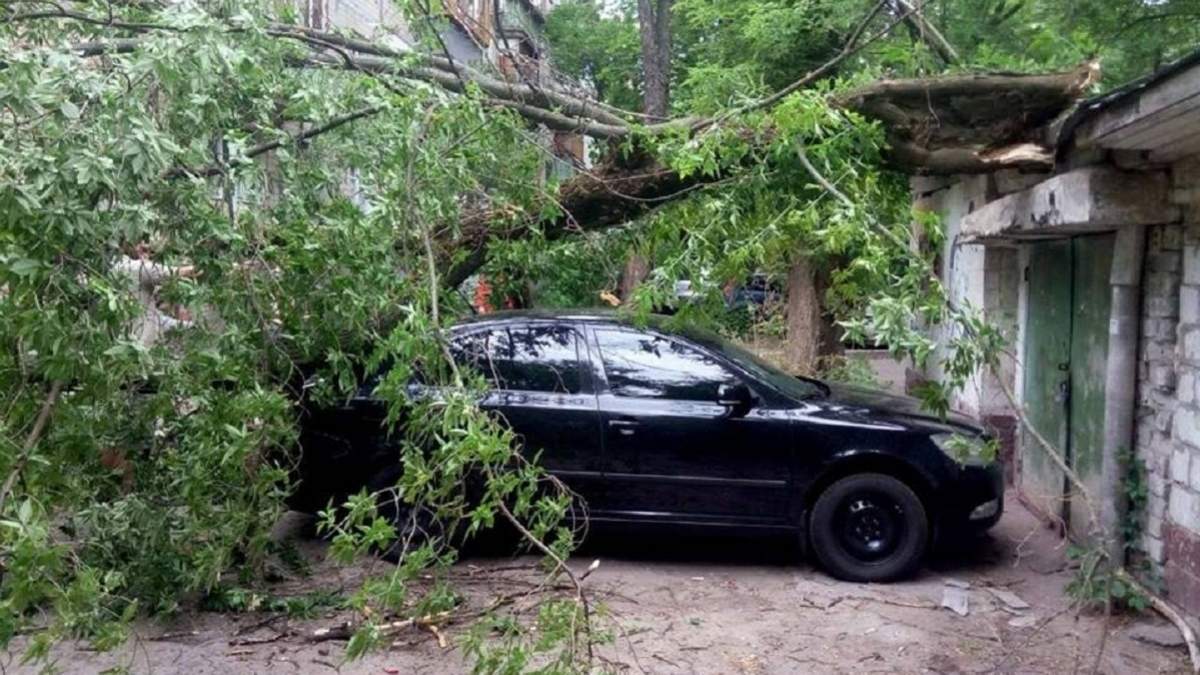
[737,397]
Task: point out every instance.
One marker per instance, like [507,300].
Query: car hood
[885,405]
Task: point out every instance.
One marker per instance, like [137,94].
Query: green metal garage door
[1066,349]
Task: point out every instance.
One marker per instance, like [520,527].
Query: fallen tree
[141,126]
[939,125]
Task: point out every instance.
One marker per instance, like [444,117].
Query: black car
[682,429]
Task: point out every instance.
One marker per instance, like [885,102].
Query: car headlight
[988,509]
[968,450]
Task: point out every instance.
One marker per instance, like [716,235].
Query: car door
[672,451]
[541,389]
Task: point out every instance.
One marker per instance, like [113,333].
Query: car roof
[658,322]
[591,315]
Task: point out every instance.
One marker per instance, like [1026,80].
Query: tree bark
[810,333]
[654,23]
[637,268]
[611,194]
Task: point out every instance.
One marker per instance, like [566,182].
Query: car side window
[523,358]
[643,365]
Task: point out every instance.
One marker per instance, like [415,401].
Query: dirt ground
[710,606]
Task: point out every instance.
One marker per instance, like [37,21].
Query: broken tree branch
[1170,613]
[927,32]
[291,139]
[959,124]
[559,564]
[851,47]
[31,441]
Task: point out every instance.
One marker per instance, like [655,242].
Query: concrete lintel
[1090,199]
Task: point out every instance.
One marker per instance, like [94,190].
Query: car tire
[413,528]
[869,527]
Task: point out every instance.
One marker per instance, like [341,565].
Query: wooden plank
[1047,355]
[1091,302]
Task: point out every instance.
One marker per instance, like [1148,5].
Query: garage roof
[1158,114]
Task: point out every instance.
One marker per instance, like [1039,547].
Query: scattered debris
[591,568]
[665,660]
[1159,634]
[956,597]
[171,637]
[1010,599]
[1027,621]
[242,642]
[437,634]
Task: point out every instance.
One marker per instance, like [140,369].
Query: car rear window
[523,358]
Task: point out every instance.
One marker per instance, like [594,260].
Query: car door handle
[624,426]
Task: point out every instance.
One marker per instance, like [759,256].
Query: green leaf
[69,110]
[24,267]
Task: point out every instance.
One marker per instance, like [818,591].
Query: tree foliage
[155,473]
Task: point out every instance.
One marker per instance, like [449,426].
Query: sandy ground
[709,606]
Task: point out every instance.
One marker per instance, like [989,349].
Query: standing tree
[654,25]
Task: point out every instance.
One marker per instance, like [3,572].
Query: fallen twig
[559,564]
[1173,615]
[432,628]
[258,624]
[242,642]
[168,637]
[340,632]
[345,630]
[665,660]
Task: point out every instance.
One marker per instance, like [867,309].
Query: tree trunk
[654,23]
[811,334]
[637,268]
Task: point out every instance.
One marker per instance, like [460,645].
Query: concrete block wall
[1157,386]
[974,275]
[1168,422]
[372,18]
[987,278]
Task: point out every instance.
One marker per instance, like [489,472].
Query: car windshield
[791,385]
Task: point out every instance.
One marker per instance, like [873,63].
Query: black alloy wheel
[869,527]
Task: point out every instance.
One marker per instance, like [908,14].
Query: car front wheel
[869,527]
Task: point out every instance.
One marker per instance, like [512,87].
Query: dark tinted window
[649,366]
[524,358]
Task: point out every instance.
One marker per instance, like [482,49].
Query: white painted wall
[974,276]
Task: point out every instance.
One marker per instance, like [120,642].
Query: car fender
[924,480]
